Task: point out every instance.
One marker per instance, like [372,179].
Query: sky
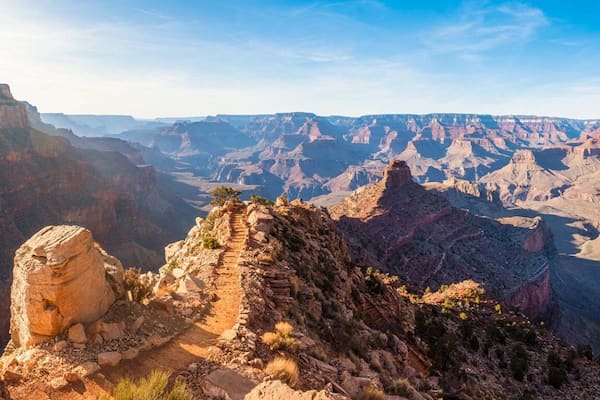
[347,57]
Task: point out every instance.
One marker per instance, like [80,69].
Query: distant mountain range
[536,166]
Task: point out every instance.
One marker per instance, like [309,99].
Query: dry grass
[402,387]
[134,284]
[370,393]
[281,338]
[284,328]
[284,369]
[154,387]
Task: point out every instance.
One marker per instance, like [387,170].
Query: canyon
[47,181]
[520,165]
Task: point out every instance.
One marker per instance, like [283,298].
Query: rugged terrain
[45,180]
[401,228]
[350,329]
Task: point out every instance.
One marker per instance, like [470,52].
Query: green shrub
[519,362]
[154,387]
[557,376]
[222,194]
[260,200]
[495,335]
[210,242]
[585,350]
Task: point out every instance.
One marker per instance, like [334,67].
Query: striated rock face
[398,226]
[532,298]
[59,278]
[12,113]
[396,174]
[539,238]
[276,390]
[523,157]
[44,180]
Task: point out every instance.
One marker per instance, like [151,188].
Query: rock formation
[60,278]
[12,113]
[46,181]
[400,227]
[276,390]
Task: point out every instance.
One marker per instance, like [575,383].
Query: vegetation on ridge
[222,194]
[153,387]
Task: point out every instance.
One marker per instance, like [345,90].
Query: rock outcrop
[13,114]
[60,278]
[276,390]
[44,180]
[400,227]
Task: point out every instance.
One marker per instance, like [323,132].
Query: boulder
[137,324]
[131,353]
[276,390]
[226,383]
[109,359]
[60,346]
[77,334]
[86,369]
[59,279]
[190,284]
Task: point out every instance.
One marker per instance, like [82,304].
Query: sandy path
[190,345]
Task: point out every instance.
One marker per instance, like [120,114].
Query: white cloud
[481,27]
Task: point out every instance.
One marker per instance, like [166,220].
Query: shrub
[260,200]
[222,194]
[283,369]
[557,376]
[210,242]
[495,335]
[281,338]
[370,393]
[585,350]
[530,338]
[402,387]
[519,362]
[284,328]
[133,284]
[154,387]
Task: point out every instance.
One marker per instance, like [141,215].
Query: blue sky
[175,58]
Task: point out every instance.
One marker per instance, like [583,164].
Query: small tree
[260,200]
[222,194]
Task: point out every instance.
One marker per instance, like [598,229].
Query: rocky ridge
[47,181]
[401,228]
[353,328]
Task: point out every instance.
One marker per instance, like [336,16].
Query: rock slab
[59,279]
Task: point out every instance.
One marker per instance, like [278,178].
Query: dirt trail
[195,342]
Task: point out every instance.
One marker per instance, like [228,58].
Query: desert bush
[281,338]
[519,362]
[585,350]
[222,194]
[495,335]
[370,393]
[557,372]
[210,242]
[283,369]
[557,376]
[133,284]
[402,387]
[260,200]
[154,387]
[284,328]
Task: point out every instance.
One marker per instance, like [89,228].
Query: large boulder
[276,390]
[61,277]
